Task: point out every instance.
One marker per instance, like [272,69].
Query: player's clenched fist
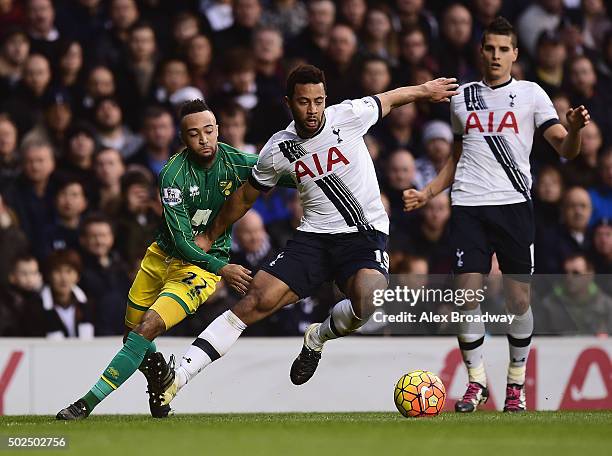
[413,199]
[440,89]
[237,277]
[578,117]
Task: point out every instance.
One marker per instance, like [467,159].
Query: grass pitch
[379,434]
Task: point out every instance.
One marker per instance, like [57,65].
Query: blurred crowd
[89,92]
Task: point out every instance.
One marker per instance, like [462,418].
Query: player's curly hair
[305,74]
[500,26]
[193,106]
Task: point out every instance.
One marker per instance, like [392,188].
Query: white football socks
[214,342]
[341,322]
[519,342]
[471,339]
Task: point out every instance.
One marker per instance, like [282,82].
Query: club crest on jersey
[172,196]
[194,190]
[459,254]
[512,97]
[303,168]
[336,131]
[226,187]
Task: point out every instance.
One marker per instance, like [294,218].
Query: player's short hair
[193,106]
[64,257]
[305,74]
[500,26]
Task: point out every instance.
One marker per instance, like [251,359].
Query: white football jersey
[333,170]
[496,125]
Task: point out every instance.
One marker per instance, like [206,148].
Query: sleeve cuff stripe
[377,100]
[259,186]
[549,123]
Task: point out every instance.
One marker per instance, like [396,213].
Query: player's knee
[151,326]
[518,305]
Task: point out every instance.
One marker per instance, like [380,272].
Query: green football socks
[122,366]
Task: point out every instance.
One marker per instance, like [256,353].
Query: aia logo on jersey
[314,167]
[490,123]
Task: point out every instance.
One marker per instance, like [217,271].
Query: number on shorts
[189,279]
[382,257]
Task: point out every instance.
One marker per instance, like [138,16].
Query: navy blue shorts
[478,231]
[310,259]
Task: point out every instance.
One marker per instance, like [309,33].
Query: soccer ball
[419,393]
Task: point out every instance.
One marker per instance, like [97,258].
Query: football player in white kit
[343,232]
[494,121]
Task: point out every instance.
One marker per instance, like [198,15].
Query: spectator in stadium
[233,126]
[430,238]
[547,198]
[400,175]
[538,17]
[199,54]
[138,217]
[550,58]
[12,240]
[484,12]
[68,69]
[100,83]
[14,51]
[353,14]
[137,74]
[40,25]
[311,43]
[21,311]
[457,54]
[282,230]
[412,14]
[253,242]
[108,167]
[185,26]
[10,166]
[247,14]
[104,276]
[413,54]
[111,132]
[604,65]
[595,23]
[601,194]
[602,253]
[582,170]
[70,205]
[268,53]
[437,142]
[340,64]
[173,76]
[82,20]
[289,16]
[77,159]
[571,237]
[397,131]
[586,91]
[577,305]
[67,311]
[26,101]
[375,75]
[159,140]
[32,194]
[379,38]
[57,116]
[123,14]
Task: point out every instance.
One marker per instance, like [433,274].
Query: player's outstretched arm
[436,91]
[234,207]
[567,142]
[414,199]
